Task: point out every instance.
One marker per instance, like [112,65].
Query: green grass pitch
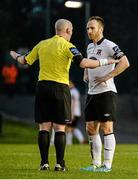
[19,158]
[19,161]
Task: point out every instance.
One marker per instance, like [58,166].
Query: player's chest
[96,51]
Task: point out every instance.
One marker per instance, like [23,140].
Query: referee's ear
[68,31]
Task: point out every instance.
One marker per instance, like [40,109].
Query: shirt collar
[100,41]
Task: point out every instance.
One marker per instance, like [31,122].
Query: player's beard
[94,37]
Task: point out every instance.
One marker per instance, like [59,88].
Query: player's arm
[18,57]
[123,64]
[120,67]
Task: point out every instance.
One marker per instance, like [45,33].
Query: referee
[53,100]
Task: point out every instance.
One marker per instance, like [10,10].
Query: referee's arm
[90,63]
[18,57]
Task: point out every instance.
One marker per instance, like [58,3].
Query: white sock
[109,148]
[96,149]
[69,138]
[78,134]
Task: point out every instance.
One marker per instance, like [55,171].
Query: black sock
[60,143]
[43,143]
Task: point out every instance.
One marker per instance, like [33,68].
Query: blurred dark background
[25,22]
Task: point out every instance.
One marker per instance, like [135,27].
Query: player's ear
[101,29]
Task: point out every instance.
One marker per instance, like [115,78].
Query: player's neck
[97,39]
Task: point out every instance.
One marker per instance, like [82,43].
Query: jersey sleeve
[74,54]
[115,51]
[32,56]
[72,51]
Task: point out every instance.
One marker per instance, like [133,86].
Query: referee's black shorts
[52,102]
[101,107]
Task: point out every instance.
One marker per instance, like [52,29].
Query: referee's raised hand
[14,55]
[112,61]
[18,57]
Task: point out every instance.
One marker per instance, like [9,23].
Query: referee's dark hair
[97,18]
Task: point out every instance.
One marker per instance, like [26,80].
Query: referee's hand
[112,61]
[14,55]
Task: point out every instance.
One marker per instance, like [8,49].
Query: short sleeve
[114,51]
[32,56]
[72,51]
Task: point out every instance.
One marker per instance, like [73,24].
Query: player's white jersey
[102,49]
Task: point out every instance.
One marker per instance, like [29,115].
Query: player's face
[93,30]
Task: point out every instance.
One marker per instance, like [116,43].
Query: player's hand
[101,79]
[85,78]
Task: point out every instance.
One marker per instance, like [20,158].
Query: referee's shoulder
[70,45]
[44,41]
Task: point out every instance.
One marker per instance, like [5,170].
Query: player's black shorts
[101,107]
[52,102]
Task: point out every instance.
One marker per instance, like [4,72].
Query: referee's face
[93,30]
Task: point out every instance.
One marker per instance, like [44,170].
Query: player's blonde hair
[97,18]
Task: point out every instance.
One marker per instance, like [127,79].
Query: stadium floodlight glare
[79,4]
[73,4]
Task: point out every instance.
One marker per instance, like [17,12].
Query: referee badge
[75,51]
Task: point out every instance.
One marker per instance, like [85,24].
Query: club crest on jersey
[98,52]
